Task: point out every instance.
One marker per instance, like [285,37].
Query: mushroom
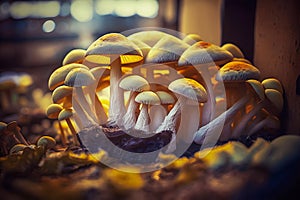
[201,56]
[158,113]
[233,75]
[63,95]
[270,122]
[101,75]
[66,114]
[114,50]
[191,93]
[148,37]
[17,149]
[16,130]
[233,49]
[57,77]
[145,98]
[135,84]
[79,78]
[272,83]
[74,56]
[192,38]
[166,51]
[52,112]
[46,142]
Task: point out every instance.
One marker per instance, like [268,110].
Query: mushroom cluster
[152,81]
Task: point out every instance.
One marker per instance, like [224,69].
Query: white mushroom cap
[148,37]
[74,56]
[272,83]
[165,97]
[113,44]
[203,53]
[79,77]
[147,97]
[134,83]
[233,49]
[189,88]
[237,71]
[167,49]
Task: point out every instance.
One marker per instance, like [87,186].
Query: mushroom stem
[143,120]
[189,121]
[209,106]
[223,119]
[13,127]
[241,126]
[117,108]
[84,103]
[169,122]
[129,118]
[157,115]
[100,112]
[84,119]
[71,127]
[269,122]
[62,134]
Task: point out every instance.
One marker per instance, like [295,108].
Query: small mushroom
[17,149]
[46,142]
[145,98]
[16,130]
[272,83]
[114,50]
[66,114]
[192,38]
[52,112]
[63,95]
[74,56]
[79,78]
[57,77]
[191,93]
[159,112]
[233,49]
[135,84]
[150,37]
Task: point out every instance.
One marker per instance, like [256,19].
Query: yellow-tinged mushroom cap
[272,83]
[148,37]
[192,38]
[189,88]
[167,49]
[275,97]
[234,50]
[60,93]
[236,71]
[57,78]
[257,87]
[113,44]
[53,111]
[46,141]
[65,114]
[203,53]
[74,56]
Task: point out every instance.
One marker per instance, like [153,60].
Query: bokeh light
[48,26]
[82,11]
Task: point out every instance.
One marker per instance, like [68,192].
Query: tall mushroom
[79,78]
[190,94]
[201,56]
[115,50]
[135,84]
[145,98]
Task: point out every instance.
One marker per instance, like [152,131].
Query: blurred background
[36,35]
